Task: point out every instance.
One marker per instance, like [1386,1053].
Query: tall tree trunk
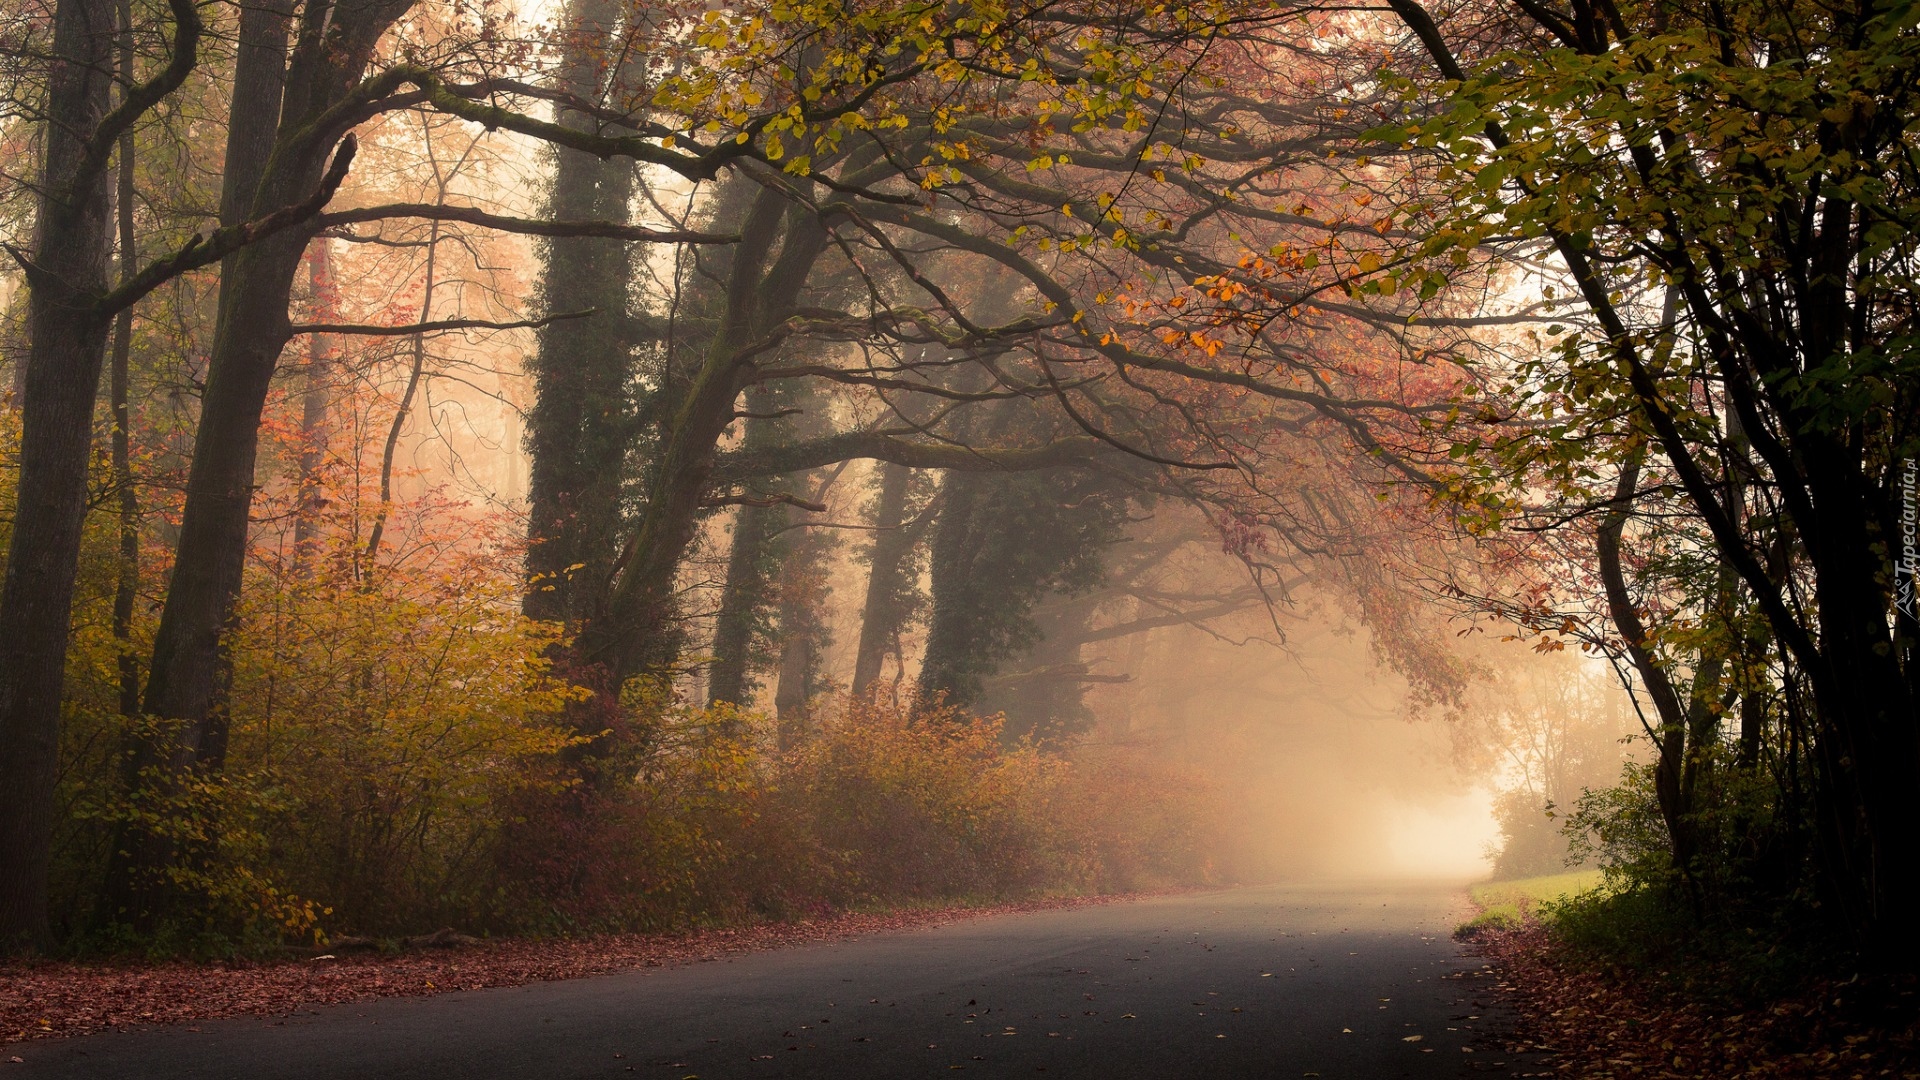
[127,573]
[743,604]
[332,51]
[751,559]
[252,327]
[883,613]
[803,630]
[638,630]
[1687,724]
[950,667]
[1868,755]
[313,403]
[581,428]
[277,153]
[67,345]
[1045,701]
[1670,735]
[800,640]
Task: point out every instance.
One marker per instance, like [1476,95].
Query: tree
[582,428]
[1074,352]
[68,320]
[999,545]
[1164,574]
[298,95]
[281,136]
[1754,160]
[894,565]
[897,249]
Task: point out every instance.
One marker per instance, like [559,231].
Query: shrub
[392,720]
[875,805]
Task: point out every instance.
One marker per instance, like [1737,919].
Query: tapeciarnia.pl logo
[1906,570]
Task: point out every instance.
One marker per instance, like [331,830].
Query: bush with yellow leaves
[875,805]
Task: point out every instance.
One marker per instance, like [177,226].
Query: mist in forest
[1327,763]
[618,504]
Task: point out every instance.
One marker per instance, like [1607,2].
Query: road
[1354,982]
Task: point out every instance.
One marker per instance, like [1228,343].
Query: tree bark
[743,603]
[883,613]
[314,405]
[1670,736]
[751,559]
[581,429]
[333,49]
[951,668]
[277,154]
[802,634]
[127,573]
[1849,643]
[638,630]
[67,343]
[1046,702]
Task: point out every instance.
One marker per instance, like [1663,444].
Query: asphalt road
[1284,981]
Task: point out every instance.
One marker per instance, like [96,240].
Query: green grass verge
[1529,891]
[1503,905]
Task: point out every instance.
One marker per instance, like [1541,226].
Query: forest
[632,464]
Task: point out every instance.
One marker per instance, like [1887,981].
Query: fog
[1331,767]
[621,459]
[1336,774]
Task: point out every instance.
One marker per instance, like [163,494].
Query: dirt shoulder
[47,999]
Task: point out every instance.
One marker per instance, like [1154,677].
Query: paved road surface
[1274,982]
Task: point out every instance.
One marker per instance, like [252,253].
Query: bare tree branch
[778,498]
[737,465]
[205,250]
[406,329]
[529,226]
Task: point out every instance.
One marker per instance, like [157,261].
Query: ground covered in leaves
[1592,1024]
[49,999]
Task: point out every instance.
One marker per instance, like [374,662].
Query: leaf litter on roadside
[55,999]
[1594,1025]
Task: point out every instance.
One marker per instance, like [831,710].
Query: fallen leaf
[97,997]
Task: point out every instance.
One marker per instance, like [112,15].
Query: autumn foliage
[876,805]
[399,759]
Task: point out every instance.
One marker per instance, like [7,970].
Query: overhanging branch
[738,465]
[407,329]
[472,215]
[205,250]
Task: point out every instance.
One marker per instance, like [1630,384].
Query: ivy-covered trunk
[1003,543]
[752,562]
[313,403]
[801,627]
[960,615]
[891,592]
[581,429]
[638,630]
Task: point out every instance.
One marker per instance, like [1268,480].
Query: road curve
[1357,982]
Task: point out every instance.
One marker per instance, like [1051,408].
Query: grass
[1529,891]
[1504,905]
